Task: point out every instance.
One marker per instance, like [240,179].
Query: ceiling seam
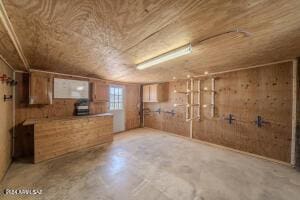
[5,61]
[10,30]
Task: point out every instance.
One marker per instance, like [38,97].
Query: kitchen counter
[54,137]
[42,120]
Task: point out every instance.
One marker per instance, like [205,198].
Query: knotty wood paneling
[6,121]
[264,91]
[54,138]
[107,38]
[165,121]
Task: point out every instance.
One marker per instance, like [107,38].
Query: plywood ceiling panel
[8,51]
[106,38]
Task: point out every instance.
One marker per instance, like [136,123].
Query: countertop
[40,120]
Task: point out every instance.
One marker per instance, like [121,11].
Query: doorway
[116,107]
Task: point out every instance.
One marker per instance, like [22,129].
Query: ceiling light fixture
[181,51]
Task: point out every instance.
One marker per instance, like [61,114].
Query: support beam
[4,60]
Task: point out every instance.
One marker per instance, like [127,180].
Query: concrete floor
[147,164]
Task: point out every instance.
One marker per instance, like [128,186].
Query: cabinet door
[146,93]
[100,92]
[162,92]
[153,93]
[40,88]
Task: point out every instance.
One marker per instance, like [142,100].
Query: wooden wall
[165,121]
[298,120]
[59,108]
[264,91]
[6,121]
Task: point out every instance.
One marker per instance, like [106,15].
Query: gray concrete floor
[147,164]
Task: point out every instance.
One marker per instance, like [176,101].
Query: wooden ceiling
[105,39]
[7,50]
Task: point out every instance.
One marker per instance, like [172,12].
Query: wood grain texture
[6,121]
[132,106]
[297,149]
[264,91]
[54,138]
[40,88]
[165,121]
[106,39]
[8,51]
[61,108]
[155,92]
[100,91]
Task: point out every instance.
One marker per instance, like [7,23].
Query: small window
[115,98]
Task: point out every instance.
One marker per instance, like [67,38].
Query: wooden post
[187,101]
[198,99]
[191,108]
[212,97]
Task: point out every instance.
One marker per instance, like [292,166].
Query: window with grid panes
[115,98]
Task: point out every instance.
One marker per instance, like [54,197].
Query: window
[115,98]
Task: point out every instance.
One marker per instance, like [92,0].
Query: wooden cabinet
[155,92]
[40,88]
[146,93]
[100,91]
[154,96]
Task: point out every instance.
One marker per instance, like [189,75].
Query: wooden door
[132,106]
[40,88]
[146,93]
[100,92]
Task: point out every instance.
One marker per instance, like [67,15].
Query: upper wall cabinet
[40,88]
[155,92]
[100,91]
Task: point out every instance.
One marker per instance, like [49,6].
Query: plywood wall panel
[264,91]
[6,121]
[298,119]
[165,121]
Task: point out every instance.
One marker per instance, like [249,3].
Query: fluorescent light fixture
[181,51]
